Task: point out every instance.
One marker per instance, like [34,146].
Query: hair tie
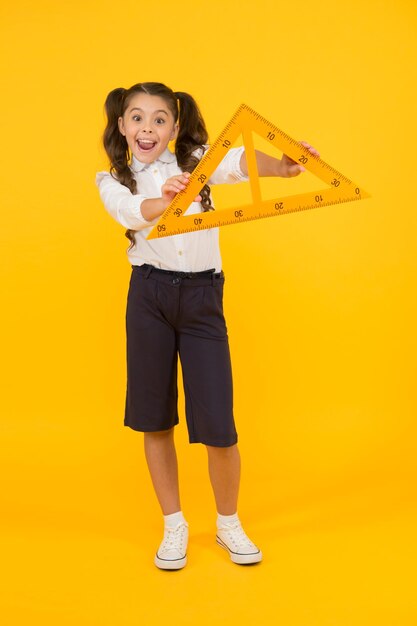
[176,94]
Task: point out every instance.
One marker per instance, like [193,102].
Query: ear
[174,133]
[121,126]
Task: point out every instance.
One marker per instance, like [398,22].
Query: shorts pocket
[141,302]
[213,309]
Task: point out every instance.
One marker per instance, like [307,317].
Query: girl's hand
[290,168]
[174,185]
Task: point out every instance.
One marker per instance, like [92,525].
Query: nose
[146,126]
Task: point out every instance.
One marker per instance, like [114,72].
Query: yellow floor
[346,559]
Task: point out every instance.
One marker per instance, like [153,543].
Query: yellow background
[321,310]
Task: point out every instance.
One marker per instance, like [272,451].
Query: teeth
[145,141]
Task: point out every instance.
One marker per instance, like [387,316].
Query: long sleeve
[228,171]
[119,201]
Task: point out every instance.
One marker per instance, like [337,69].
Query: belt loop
[149,269]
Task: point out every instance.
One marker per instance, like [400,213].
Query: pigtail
[116,146]
[192,135]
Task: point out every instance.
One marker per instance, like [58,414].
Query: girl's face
[148,126]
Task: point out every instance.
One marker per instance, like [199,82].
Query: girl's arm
[152,208]
[270,166]
[137,211]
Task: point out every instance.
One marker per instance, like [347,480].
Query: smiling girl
[175,303]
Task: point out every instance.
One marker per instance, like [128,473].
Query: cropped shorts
[173,315]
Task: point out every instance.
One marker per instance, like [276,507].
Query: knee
[159,434]
[222,450]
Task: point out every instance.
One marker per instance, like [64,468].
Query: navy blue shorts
[171,315]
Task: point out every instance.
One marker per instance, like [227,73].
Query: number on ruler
[254,123]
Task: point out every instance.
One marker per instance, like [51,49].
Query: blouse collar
[166,157]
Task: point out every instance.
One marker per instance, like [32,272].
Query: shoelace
[174,538]
[238,536]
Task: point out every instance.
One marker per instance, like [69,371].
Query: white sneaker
[172,553]
[233,538]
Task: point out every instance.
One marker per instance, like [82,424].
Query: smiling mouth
[145,144]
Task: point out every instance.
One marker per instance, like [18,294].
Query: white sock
[173,519]
[226,519]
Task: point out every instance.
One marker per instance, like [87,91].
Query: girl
[174,303]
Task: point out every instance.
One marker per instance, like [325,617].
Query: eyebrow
[157,111]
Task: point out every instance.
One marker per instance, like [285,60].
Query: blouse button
[180,252]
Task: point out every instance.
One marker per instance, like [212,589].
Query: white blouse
[187,252]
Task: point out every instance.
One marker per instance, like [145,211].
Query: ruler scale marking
[245,121]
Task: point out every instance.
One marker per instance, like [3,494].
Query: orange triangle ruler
[246,121]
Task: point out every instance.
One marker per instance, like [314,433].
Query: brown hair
[192,134]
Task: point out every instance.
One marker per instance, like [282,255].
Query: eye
[137,118]
[160,120]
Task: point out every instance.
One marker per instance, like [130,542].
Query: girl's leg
[224,471]
[162,462]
